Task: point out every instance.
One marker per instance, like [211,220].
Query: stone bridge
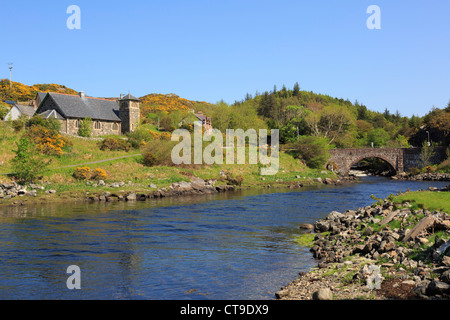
[401,159]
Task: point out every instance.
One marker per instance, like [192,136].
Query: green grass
[305,239]
[429,200]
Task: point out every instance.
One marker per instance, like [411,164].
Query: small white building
[19,110]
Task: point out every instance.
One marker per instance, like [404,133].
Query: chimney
[81,93]
[121,96]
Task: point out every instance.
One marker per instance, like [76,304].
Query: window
[97,125]
[115,126]
[77,124]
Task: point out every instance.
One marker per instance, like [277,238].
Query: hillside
[23,92]
[154,102]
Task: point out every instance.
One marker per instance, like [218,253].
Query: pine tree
[296,90]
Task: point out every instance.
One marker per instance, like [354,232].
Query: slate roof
[73,106]
[42,95]
[25,110]
[129,97]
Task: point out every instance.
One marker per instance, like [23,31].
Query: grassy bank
[426,200]
[128,167]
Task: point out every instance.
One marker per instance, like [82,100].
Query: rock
[421,288]
[319,180]
[306,226]
[282,293]
[446,261]
[437,287]
[152,186]
[368,231]
[323,294]
[421,226]
[31,193]
[51,191]
[7,186]
[101,182]
[445,277]
[131,197]
[321,226]
[333,215]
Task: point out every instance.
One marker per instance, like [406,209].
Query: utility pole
[10,68]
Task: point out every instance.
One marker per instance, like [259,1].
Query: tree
[330,122]
[296,90]
[28,164]
[379,137]
[166,124]
[85,128]
[312,150]
[426,154]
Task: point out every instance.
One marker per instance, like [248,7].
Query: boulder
[437,287]
[306,226]
[333,215]
[323,294]
[321,226]
[131,197]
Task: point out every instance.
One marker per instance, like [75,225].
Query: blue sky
[210,50]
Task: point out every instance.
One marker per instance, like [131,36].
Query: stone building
[19,110]
[109,116]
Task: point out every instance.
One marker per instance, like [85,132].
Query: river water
[230,246]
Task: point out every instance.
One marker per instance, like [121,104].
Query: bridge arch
[344,159]
[359,159]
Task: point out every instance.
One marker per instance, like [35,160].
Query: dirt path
[99,161]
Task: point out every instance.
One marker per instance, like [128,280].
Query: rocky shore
[12,193]
[431,176]
[384,251]
[195,186]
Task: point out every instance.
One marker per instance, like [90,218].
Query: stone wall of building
[99,128]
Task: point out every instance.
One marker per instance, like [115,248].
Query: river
[237,245]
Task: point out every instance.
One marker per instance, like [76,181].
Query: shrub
[312,150]
[82,173]
[48,142]
[4,109]
[158,152]
[444,166]
[414,171]
[27,164]
[139,137]
[85,128]
[113,144]
[19,123]
[49,123]
[235,180]
[85,173]
[99,174]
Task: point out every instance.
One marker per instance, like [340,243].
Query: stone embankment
[385,251]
